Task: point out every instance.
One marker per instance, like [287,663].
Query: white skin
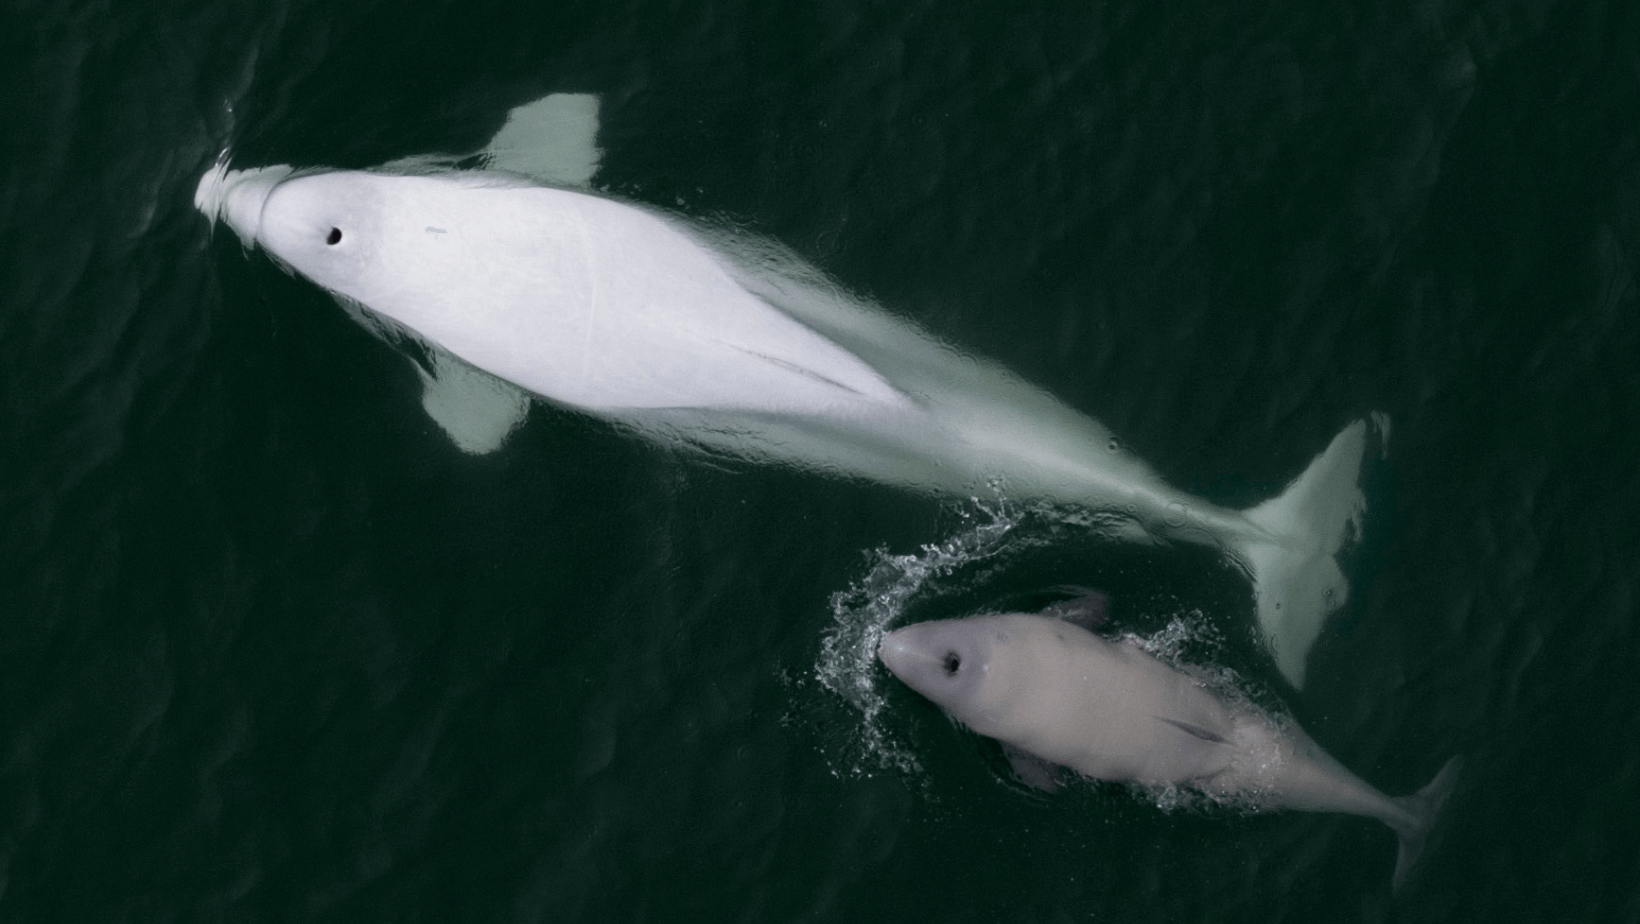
[572,296]
[685,338]
[622,313]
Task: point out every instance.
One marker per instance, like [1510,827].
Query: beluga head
[384,236]
[958,664]
[408,252]
[325,226]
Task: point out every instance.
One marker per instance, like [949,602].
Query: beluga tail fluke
[520,278]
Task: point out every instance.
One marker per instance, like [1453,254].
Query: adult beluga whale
[517,275]
[1059,697]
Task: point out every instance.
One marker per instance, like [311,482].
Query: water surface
[273,649]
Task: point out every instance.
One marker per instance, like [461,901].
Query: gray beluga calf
[520,279]
[1059,697]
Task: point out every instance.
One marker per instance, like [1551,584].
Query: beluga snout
[238,196]
[935,658]
[907,655]
[897,653]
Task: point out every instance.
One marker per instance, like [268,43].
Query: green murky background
[271,649]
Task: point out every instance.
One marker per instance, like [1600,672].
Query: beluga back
[522,280]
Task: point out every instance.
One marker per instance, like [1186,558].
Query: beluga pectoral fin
[553,140]
[477,410]
[1089,608]
[1033,771]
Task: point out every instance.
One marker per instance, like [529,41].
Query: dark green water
[271,649]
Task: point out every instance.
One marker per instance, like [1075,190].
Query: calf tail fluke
[1424,806]
[1293,561]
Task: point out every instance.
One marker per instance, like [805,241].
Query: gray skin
[1058,696]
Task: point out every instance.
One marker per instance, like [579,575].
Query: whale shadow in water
[523,282]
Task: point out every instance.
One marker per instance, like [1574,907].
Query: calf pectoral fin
[1195,731]
[1087,609]
[1034,771]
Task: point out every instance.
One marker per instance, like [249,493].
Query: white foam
[862,613]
